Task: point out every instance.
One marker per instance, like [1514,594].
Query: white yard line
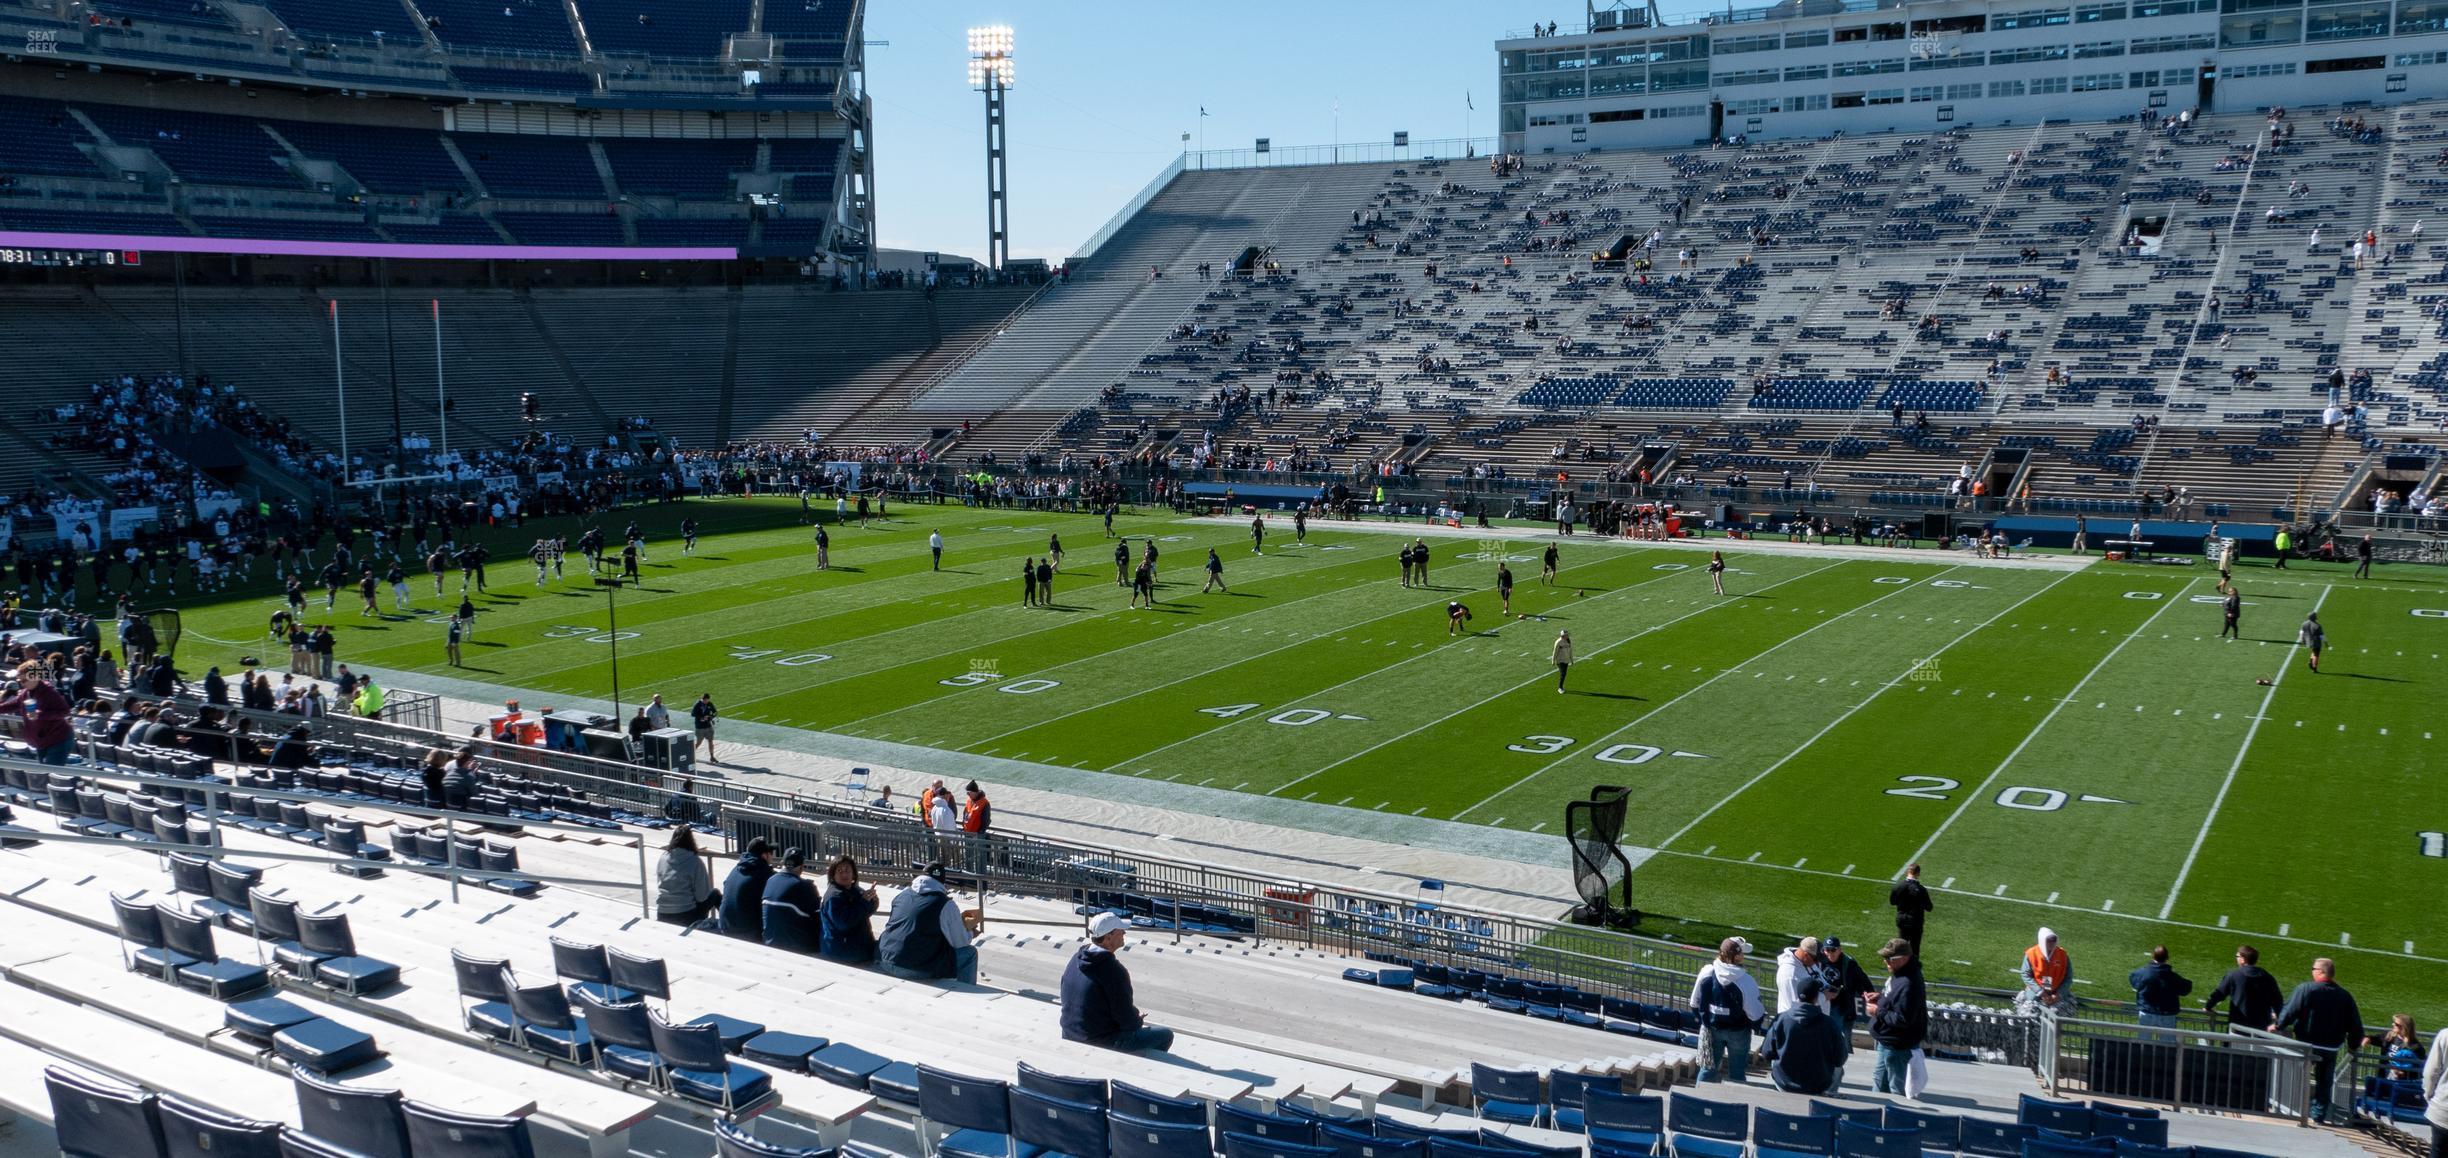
[1982,793]
[1875,693]
[1560,761]
[1660,577]
[1702,610]
[2286,663]
[1137,692]
[1975,894]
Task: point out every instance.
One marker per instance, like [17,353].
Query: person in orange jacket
[976,814]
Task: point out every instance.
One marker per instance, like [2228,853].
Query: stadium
[1859,578]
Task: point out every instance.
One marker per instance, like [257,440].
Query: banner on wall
[67,513]
[495,484]
[124,521]
[548,478]
[214,508]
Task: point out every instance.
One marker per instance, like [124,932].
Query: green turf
[2050,745]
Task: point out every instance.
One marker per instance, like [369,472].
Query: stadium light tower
[990,72]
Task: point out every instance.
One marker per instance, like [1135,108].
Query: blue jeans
[57,754]
[1153,1037]
[1888,1069]
[2156,1020]
[1722,1050]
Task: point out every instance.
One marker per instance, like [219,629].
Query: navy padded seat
[231,887]
[897,1082]
[1864,1140]
[735,1032]
[324,1046]
[1705,1128]
[440,1132]
[340,967]
[1092,1091]
[484,994]
[2071,1118]
[97,1118]
[1623,1123]
[1052,1127]
[734,1141]
[541,1022]
[1569,1090]
[975,1112]
[1508,1095]
[1940,1132]
[1131,1101]
[1995,1139]
[1230,1119]
[216,976]
[585,967]
[257,1020]
[1128,1137]
[193,1131]
[644,976]
[1245,1146]
[1776,1133]
[845,1065]
[1348,1143]
[360,1121]
[789,1051]
[700,1071]
[624,1038]
[299,1144]
[276,926]
[140,926]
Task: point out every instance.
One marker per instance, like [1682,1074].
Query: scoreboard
[70,258]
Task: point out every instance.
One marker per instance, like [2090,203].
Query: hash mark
[1848,870]
[1998,891]
[2052,899]
[2222,920]
[1947,883]
[2282,929]
[2107,906]
[1751,858]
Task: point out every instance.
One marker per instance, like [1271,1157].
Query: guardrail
[1198,895]
[2242,1073]
[1349,153]
[1129,209]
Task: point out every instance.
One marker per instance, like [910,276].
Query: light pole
[990,72]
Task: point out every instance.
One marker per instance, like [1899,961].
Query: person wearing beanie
[743,892]
[791,907]
[925,937]
[1097,1005]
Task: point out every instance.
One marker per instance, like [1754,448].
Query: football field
[2066,747]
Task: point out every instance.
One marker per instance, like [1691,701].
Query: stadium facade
[1634,79]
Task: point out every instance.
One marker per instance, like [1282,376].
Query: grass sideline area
[2071,748]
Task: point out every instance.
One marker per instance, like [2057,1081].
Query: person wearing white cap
[1727,1002]
[1097,1007]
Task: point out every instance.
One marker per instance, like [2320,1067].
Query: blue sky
[1103,93]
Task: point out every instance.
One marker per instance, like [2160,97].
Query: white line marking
[1947,883]
[2107,906]
[1695,689]
[2282,929]
[2222,920]
[1999,892]
[1787,758]
[2346,939]
[2285,664]
[1848,869]
[2052,898]
[1539,678]
[1982,792]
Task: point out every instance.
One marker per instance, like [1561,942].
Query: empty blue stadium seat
[974,1112]
[364,1121]
[323,1046]
[1508,1095]
[1129,1137]
[1866,1140]
[541,1021]
[1706,1129]
[1776,1134]
[526,28]
[701,1071]
[338,965]
[436,1131]
[98,1118]
[217,976]
[193,1131]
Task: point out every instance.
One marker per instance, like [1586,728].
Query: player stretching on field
[1547,566]
[1716,571]
[1143,585]
[1455,616]
[1504,588]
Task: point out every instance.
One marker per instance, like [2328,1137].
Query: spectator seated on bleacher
[1097,1005]
[849,911]
[927,938]
[790,907]
[743,892]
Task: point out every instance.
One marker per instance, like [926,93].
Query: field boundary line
[2286,663]
[1977,794]
[1184,679]
[1849,713]
[1660,577]
[2333,947]
[1695,689]
[1542,676]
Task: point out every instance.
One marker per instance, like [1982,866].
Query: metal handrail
[973,349]
[1129,209]
[2247,1071]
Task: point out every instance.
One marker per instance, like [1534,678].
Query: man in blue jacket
[790,905]
[743,892]
[1097,1006]
[2159,991]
